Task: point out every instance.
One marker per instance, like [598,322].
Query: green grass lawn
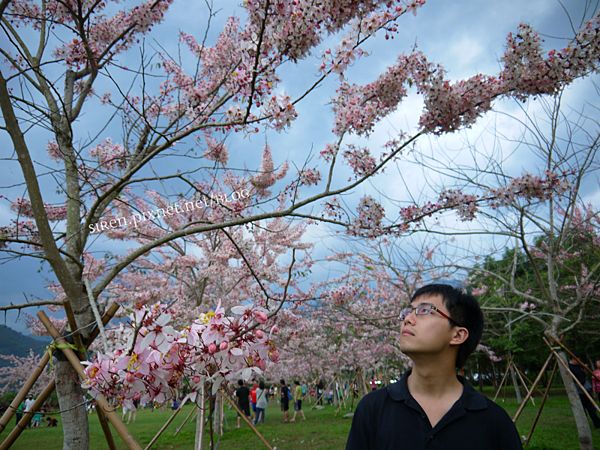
[555,430]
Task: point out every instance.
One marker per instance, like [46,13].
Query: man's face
[426,334]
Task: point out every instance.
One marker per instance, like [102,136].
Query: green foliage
[15,343]
[8,398]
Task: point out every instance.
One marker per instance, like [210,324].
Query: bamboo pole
[74,329]
[572,375]
[575,357]
[243,416]
[528,380]
[544,398]
[524,384]
[322,394]
[102,402]
[16,431]
[503,378]
[164,427]
[24,391]
[106,429]
[346,395]
[186,419]
[530,392]
[36,373]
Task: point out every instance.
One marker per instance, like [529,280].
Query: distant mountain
[14,343]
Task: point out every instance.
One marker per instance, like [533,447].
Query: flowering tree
[554,236]
[63,59]
[12,377]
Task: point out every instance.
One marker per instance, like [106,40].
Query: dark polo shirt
[391,418]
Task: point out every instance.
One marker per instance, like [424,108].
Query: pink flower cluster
[308,177]
[156,359]
[23,207]
[448,106]
[370,217]
[341,295]
[267,175]
[464,204]
[360,159]
[110,156]
[217,151]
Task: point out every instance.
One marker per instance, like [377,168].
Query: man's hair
[464,310]
[241,382]
[297,382]
[261,385]
[282,381]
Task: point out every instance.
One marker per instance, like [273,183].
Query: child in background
[37,420]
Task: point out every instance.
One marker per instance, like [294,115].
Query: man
[28,407]
[243,397]
[579,371]
[298,401]
[285,401]
[431,407]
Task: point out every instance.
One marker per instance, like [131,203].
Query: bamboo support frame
[24,391]
[530,392]
[74,329]
[528,380]
[503,378]
[346,395]
[572,375]
[544,398]
[36,373]
[106,429]
[323,393]
[102,402]
[185,420]
[523,382]
[16,431]
[243,416]
[164,427]
[575,357]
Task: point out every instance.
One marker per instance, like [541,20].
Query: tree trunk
[583,426]
[75,421]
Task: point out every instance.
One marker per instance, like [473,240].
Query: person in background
[20,411]
[596,379]
[579,371]
[298,402]
[28,405]
[243,398]
[373,384]
[285,401]
[175,405]
[253,395]
[261,403]
[37,419]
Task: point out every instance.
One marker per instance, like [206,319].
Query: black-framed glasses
[424,309]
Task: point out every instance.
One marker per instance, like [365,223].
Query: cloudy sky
[465,36]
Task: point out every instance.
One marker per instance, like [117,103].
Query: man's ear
[460,335]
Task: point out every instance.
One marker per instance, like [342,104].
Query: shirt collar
[470,398]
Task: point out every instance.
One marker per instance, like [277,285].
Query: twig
[96,314]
